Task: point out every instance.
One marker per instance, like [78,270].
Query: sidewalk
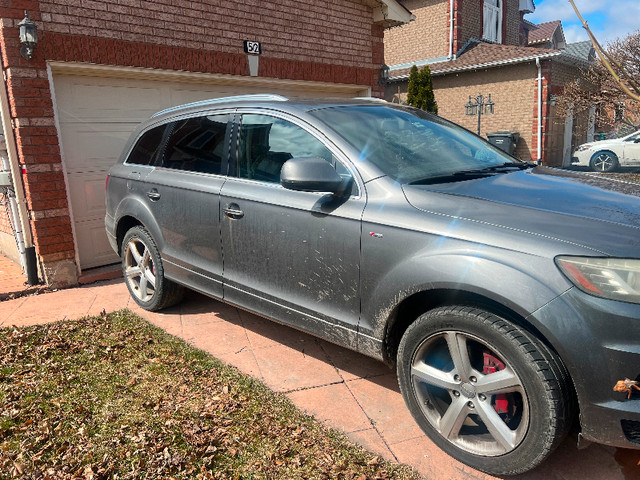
[343,389]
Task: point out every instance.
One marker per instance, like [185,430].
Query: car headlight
[584,147]
[612,278]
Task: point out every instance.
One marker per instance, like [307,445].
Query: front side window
[197,144]
[147,147]
[265,143]
[492,21]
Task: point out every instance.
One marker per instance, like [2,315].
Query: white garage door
[96,116]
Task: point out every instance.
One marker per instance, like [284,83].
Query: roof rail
[371,99]
[260,97]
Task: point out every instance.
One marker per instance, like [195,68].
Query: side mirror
[312,174]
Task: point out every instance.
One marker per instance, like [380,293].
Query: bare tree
[596,87]
[611,85]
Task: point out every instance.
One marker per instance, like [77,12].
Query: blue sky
[608,19]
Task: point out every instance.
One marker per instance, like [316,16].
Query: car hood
[611,142]
[600,214]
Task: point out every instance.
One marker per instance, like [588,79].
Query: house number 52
[252,48]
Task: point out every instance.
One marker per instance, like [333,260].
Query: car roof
[264,101]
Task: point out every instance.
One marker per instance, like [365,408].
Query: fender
[477,272]
[136,208]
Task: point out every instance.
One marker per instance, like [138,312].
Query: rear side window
[147,147]
[197,144]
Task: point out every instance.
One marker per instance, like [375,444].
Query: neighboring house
[486,46]
[100,67]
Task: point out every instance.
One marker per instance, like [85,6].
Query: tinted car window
[197,144]
[147,147]
[408,144]
[267,142]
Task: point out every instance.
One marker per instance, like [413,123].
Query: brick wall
[512,89]
[426,37]
[327,41]
[334,31]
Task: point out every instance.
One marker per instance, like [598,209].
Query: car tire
[505,425]
[144,274]
[604,162]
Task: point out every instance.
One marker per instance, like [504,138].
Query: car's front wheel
[144,274]
[484,390]
[604,162]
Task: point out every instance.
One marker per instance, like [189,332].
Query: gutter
[483,65]
[28,254]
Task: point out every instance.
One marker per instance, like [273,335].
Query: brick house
[102,66]
[486,46]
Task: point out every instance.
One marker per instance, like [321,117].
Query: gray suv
[506,295]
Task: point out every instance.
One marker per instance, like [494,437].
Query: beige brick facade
[426,37]
[512,90]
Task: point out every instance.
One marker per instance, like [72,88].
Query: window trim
[310,129]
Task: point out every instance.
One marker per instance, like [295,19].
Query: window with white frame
[492,21]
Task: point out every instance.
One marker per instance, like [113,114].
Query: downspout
[18,189]
[451,19]
[15,217]
[539,110]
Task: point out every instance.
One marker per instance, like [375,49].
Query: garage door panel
[91,99]
[87,195]
[93,246]
[91,147]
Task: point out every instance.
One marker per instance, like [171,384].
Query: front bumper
[582,158]
[599,342]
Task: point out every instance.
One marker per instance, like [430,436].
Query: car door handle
[153,195]
[233,211]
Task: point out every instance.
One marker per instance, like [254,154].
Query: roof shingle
[483,55]
[544,32]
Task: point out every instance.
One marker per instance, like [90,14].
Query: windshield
[408,144]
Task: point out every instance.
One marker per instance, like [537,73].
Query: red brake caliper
[492,365]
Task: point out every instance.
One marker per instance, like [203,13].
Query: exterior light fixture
[28,36]
[384,75]
[479,106]
[488,107]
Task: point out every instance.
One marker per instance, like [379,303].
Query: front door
[632,151]
[293,256]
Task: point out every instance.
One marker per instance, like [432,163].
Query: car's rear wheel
[484,390]
[144,274]
[604,162]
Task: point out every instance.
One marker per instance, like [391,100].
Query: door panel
[291,252]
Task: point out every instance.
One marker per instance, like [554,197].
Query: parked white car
[608,155]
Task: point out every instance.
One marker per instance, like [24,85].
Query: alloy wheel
[603,162]
[469,393]
[139,270]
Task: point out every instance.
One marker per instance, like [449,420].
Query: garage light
[384,75]
[28,36]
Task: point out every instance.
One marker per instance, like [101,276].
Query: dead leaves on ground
[112,397]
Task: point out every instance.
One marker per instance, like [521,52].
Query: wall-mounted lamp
[28,36]
[384,75]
